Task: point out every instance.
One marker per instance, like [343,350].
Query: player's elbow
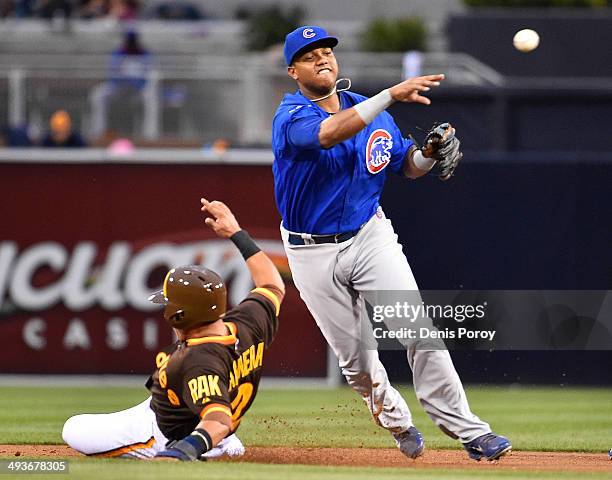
[409,171]
[281,292]
[280,285]
[326,141]
[340,127]
[278,290]
[272,281]
[328,134]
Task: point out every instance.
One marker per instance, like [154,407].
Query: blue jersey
[327,191]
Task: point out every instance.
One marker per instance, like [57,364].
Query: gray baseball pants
[331,279]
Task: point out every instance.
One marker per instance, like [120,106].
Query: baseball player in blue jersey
[333,149]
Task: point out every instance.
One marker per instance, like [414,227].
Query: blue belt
[295,239]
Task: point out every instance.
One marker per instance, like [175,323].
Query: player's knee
[74,433]
[360,381]
[354,373]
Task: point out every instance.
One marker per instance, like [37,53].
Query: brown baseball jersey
[209,374]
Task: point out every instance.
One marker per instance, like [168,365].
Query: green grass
[547,419]
[550,419]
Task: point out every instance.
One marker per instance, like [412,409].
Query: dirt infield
[379,457]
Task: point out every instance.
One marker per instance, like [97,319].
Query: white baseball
[526,40]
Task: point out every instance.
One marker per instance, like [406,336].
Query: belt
[297,239]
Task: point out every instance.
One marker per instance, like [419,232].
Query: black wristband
[204,438]
[245,244]
[194,445]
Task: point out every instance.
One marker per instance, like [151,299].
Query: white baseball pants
[129,433]
[331,279]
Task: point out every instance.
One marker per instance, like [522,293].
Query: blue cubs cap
[302,37]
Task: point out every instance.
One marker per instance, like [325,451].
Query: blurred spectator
[121,147]
[177,11]
[24,8]
[91,9]
[50,9]
[17,136]
[16,8]
[220,145]
[130,66]
[124,10]
[7,8]
[61,133]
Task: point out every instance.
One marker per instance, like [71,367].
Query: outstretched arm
[222,221]
[349,122]
[442,148]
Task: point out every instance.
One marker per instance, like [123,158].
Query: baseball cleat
[410,442]
[489,446]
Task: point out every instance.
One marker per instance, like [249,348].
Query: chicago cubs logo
[308,33]
[378,150]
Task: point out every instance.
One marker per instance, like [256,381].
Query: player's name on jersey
[433,333]
[204,386]
[250,359]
